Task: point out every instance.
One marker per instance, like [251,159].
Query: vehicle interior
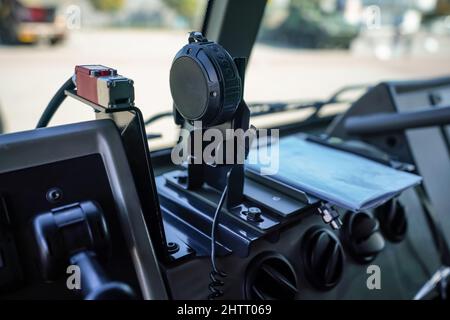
[351,205]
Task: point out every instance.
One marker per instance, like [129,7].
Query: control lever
[95,285]
[77,234]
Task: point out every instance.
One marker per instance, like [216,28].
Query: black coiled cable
[216,283]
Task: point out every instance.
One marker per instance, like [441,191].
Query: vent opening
[323,258]
[361,235]
[270,276]
[393,221]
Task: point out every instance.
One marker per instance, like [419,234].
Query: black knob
[77,234]
[362,237]
[393,221]
[323,258]
[68,229]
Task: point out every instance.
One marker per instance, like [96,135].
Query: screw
[173,247]
[254,214]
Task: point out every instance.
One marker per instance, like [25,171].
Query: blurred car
[307,26]
[440,25]
[21,23]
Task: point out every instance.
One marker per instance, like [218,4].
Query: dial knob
[362,237]
[323,258]
[393,222]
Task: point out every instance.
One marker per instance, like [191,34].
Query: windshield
[139,38]
[305,51]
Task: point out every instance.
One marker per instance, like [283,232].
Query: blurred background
[305,51]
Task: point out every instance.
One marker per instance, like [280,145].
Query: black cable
[54,104]
[215,274]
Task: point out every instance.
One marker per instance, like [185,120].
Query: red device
[103,86]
